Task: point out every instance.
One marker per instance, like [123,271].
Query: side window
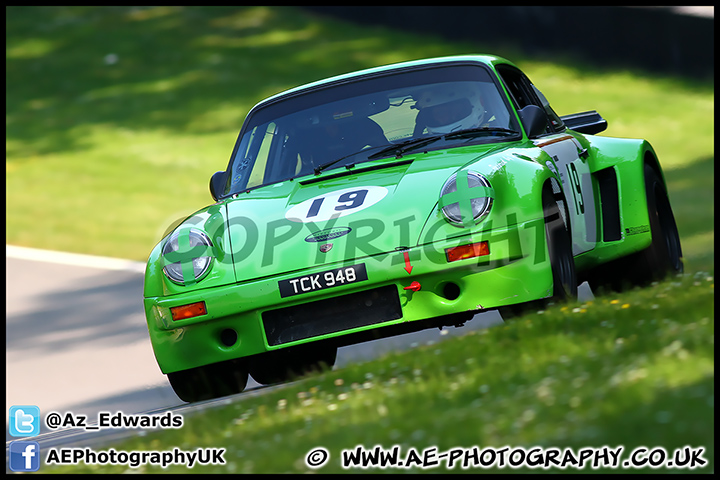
[520,91]
[524,93]
[252,164]
[259,170]
[555,121]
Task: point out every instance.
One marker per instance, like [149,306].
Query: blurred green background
[116,117]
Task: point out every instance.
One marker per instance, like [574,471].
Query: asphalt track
[76,341]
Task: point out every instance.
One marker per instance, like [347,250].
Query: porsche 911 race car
[390,200]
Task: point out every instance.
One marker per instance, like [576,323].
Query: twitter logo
[24,421]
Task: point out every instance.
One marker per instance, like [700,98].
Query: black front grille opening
[332,315]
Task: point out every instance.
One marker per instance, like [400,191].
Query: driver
[450,108]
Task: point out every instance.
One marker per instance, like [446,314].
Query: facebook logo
[24,421]
[24,456]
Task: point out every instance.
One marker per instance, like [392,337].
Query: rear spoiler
[585,122]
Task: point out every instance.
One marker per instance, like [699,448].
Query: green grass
[116,117]
[632,369]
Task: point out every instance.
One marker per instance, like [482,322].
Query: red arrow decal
[408,267]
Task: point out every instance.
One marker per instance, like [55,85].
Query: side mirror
[534,120]
[217,184]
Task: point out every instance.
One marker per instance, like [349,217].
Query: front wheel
[209,381]
[287,364]
[562,262]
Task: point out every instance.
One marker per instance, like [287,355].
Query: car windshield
[365,119]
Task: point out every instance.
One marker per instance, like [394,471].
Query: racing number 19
[346,201]
[577,192]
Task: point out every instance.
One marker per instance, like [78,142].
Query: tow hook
[414,286]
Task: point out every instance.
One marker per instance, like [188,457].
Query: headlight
[187,256]
[466,198]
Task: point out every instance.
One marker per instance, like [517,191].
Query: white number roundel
[336,204]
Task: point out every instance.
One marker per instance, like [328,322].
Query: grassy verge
[632,369]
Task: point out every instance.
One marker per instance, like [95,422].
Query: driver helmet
[451,107]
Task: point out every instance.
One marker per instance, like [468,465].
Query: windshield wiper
[398,149]
[478,131]
[403,147]
[322,167]
[329,164]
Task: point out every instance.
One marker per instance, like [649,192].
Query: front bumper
[243,319]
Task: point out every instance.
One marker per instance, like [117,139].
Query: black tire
[209,381]
[659,260]
[288,364]
[562,262]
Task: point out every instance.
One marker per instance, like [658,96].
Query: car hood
[343,214]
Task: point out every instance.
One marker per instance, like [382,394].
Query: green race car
[390,200]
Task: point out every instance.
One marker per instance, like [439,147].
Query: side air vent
[607,180]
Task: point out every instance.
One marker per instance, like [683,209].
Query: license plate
[322,280]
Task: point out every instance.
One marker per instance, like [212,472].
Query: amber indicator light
[188,311]
[467,251]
